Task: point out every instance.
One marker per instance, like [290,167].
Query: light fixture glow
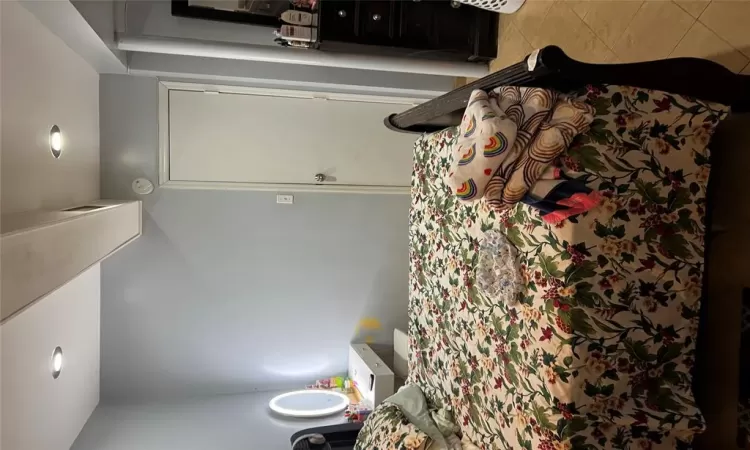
[55,141]
[336,402]
[57,362]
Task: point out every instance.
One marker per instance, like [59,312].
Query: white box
[372,377]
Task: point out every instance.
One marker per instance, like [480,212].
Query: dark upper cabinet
[341,21]
[432,28]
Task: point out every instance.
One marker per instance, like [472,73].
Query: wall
[45,83]
[228,422]
[154,18]
[289,76]
[38,411]
[100,15]
[226,291]
[66,22]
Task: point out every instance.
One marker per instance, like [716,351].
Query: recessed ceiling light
[55,141]
[57,362]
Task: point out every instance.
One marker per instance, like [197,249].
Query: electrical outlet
[285,199]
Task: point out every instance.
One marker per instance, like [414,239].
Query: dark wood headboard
[550,67]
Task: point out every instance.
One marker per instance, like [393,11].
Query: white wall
[227,422]
[100,15]
[291,76]
[38,411]
[226,291]
[45,83]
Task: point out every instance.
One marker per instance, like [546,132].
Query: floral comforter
[597,352]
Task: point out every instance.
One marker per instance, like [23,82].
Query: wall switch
[285,199]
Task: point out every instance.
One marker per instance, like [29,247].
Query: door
[261,139]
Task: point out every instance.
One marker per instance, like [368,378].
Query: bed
[599,352]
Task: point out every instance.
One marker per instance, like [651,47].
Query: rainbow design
[467,190]
[495,145]
[467,157]
[472,127]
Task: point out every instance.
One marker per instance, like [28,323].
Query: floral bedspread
[387,428]
[597,352]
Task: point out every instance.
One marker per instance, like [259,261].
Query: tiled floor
[611,31]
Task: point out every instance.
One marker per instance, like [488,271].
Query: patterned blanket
[597,352]
[507,146]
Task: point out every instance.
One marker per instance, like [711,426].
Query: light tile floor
[612,31]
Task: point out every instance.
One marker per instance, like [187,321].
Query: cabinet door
[436,24]
[378,20]
[340,20]
[264,139]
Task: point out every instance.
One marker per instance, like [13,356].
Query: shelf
[43,250]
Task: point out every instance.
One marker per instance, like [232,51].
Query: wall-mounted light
[55,141]
[57,362]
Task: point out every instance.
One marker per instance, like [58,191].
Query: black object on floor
[743,419]
[337,437]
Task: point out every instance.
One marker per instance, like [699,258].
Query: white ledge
[42,250]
